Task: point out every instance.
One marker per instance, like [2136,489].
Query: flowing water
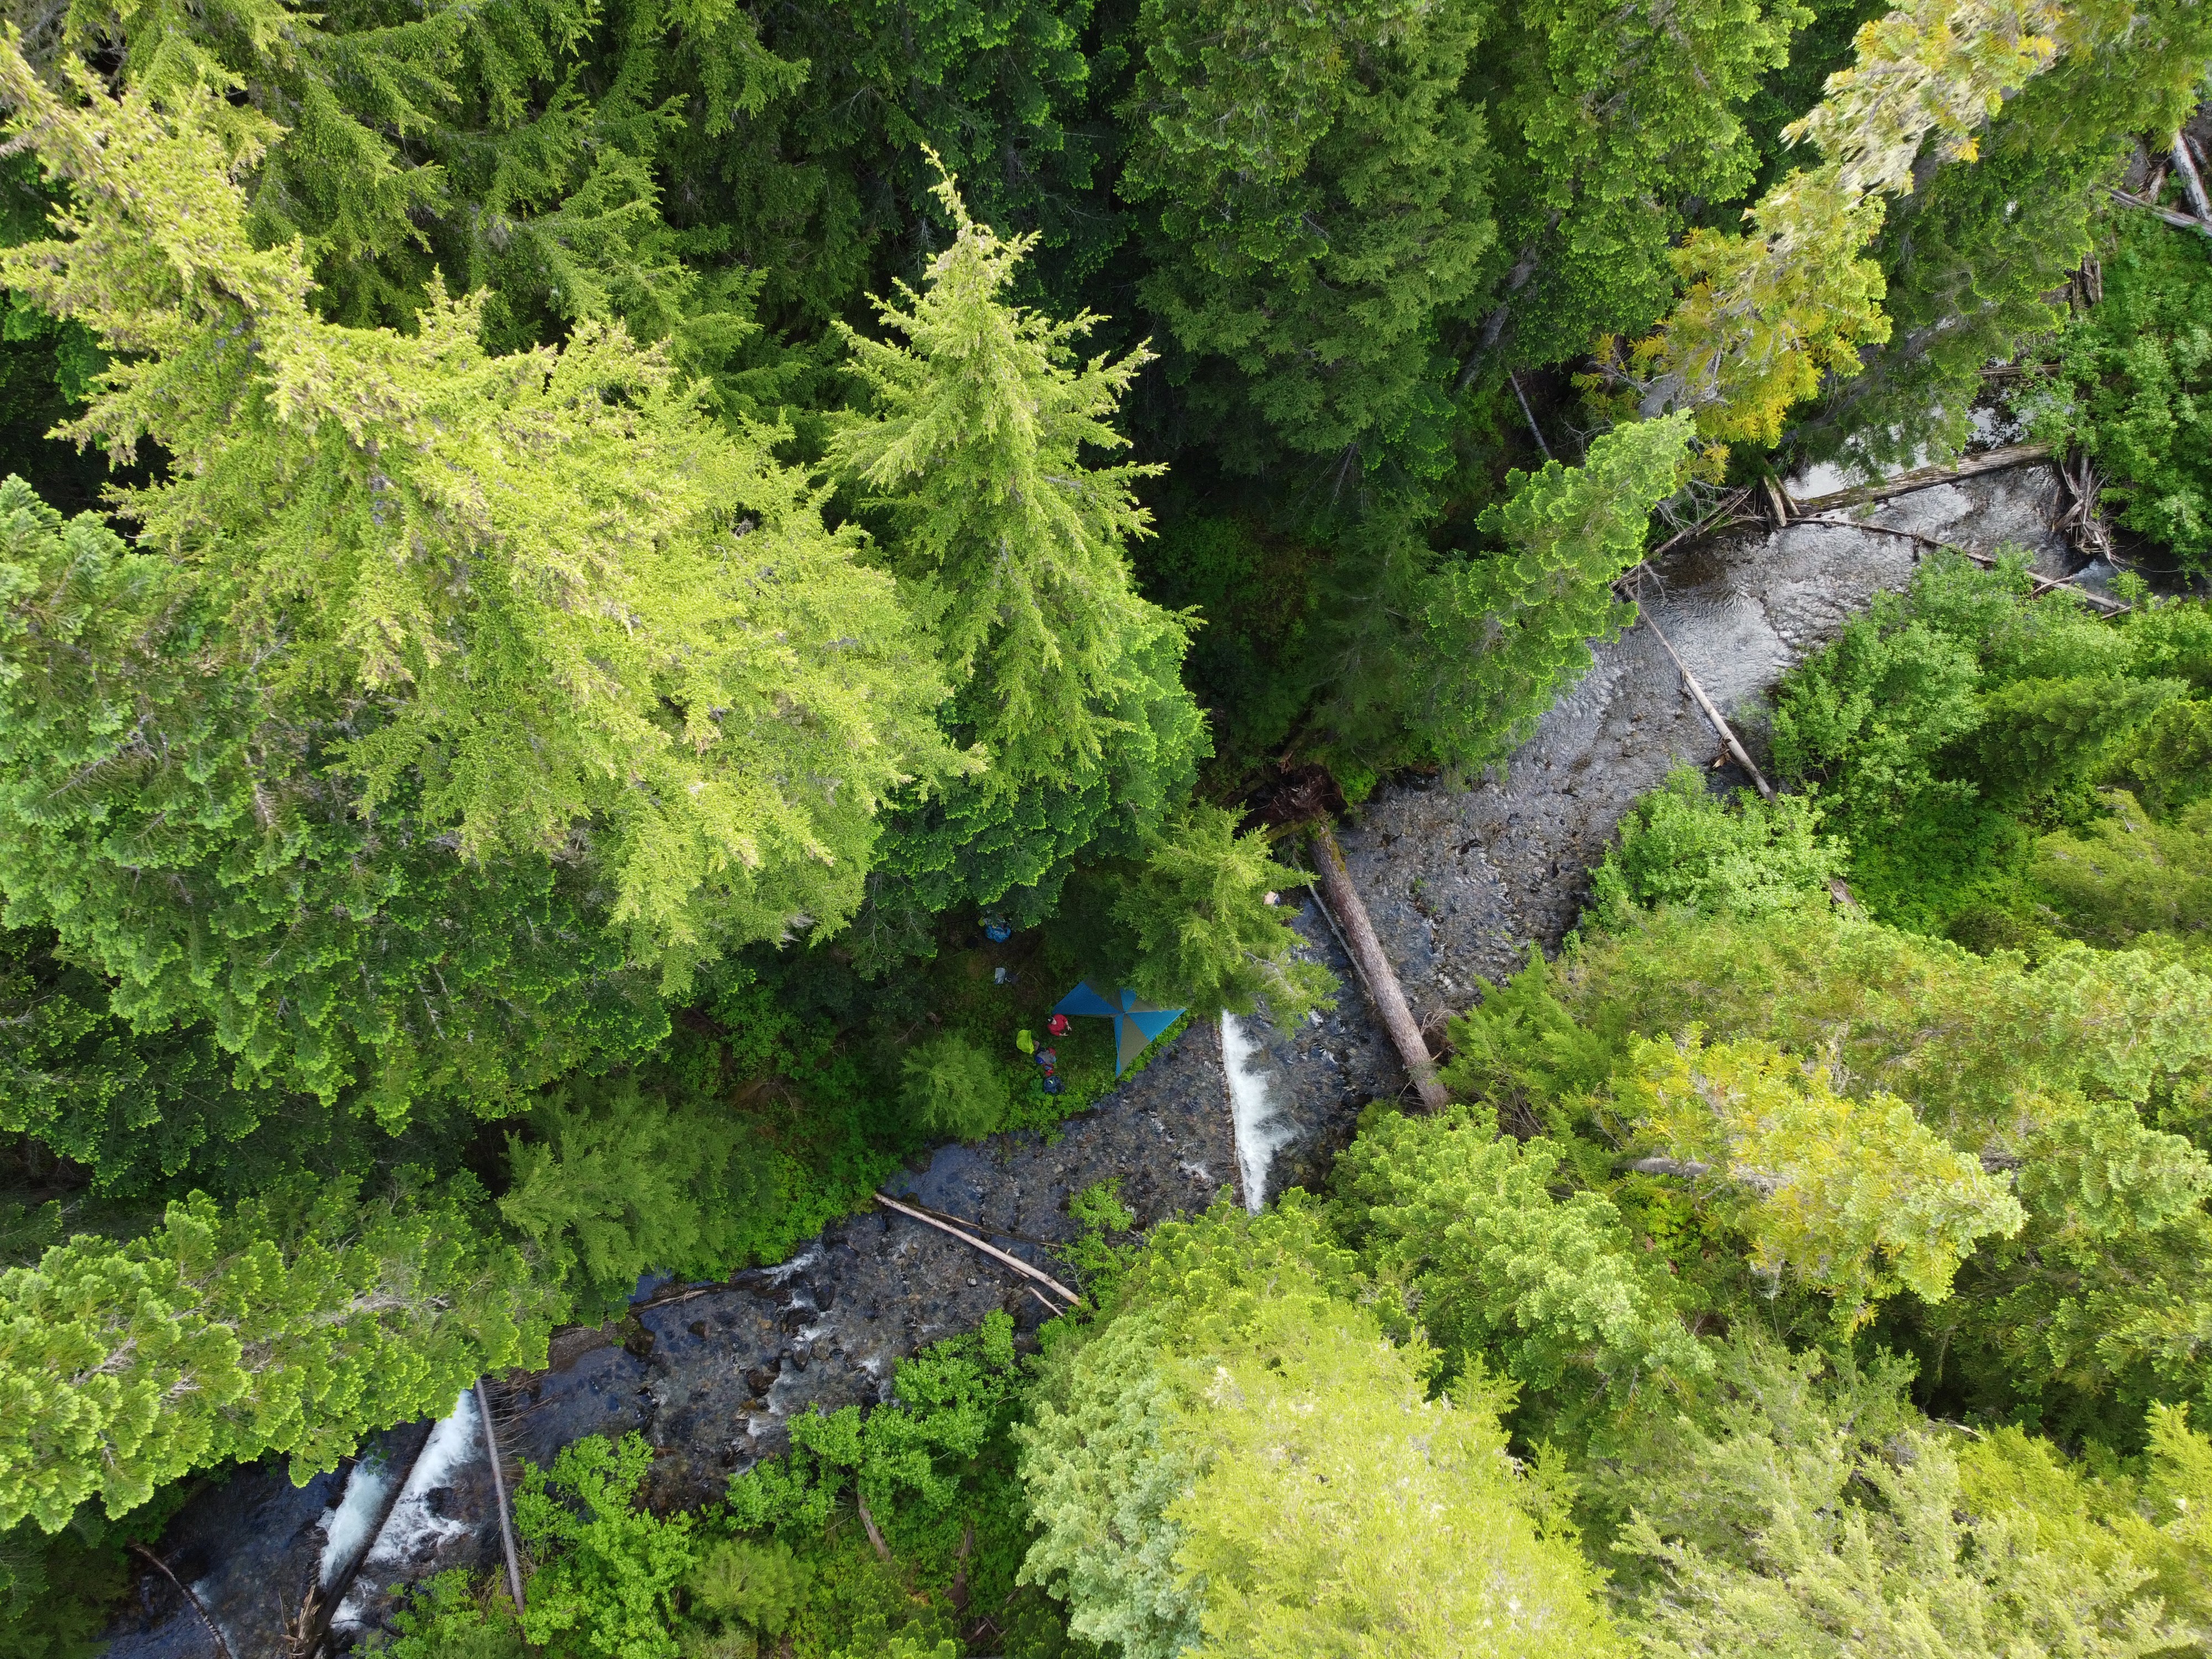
[1460,881]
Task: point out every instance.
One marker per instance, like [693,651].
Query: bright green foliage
[1498,1269]
[955,1088]
[1855,1196]
[1941,718]
[1010,549]
[2129,387]
[1320,194]
[1209,934]
[759,1586]
[610,1571]
[1501,634]
[1682,844]
[659,639]
[446,1619]
[2128,874]
[294,1324]
[2090,1071]
[1963,1039]
[320,948]
[1799,1516]
[611,1182]
[1342,1511]
[1100,1465]
[1241,1463]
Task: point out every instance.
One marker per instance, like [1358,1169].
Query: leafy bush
[1680,845]
[449,1617]
[610,1573]
[2132,376]
[951,1086]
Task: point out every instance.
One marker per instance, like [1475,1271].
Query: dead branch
[1735,748]
[1341,903]
[190,1600]
[2110,607]
[1534,431]
[1927,478]
[869,1522]
[973,1243]
[2178,220]
[499,1492]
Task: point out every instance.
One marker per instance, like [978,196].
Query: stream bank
[1460,882]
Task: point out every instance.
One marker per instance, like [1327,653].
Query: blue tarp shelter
[1136,1021]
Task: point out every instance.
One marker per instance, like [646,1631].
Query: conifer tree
[560,619]
[1461,658]
[1768,313]
[1011,547]
[294,1324]
[1321,202]
[1609,120]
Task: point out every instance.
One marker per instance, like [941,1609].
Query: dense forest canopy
[562,562]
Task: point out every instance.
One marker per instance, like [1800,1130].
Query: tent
[1136,1021]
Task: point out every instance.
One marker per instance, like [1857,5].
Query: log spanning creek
[1457,884]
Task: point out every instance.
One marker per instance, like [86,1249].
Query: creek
[1461,881]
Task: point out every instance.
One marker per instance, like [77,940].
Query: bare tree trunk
[973,1243]
[1735,746]
[499,1491]
[1345,908]
[1927,478]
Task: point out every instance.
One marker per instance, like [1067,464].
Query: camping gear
[1136,1021]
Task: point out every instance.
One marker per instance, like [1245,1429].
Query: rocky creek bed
[1459,881]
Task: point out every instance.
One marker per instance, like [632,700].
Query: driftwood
[191,1601]
[1735,748]
[2178,220]
[1340,903]
[2110,607]
[973,1243]
[1927,478]
[317,1626]
[499,1492]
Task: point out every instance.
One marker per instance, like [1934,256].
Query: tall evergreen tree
[531,614]
[1010,546]
[1320,198]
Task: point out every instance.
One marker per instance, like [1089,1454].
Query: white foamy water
[1262,1129]
[415,1530]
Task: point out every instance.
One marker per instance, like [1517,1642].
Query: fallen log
[222,1647]
[973,1243]
[1927,478]
[2178,220]
[1340,902]
[499,1494]
[2103,602]
[1735,746]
